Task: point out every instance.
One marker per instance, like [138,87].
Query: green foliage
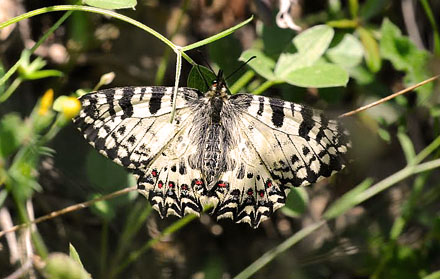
[200,78]
[303,67]
[405,56]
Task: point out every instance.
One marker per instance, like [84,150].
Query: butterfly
[239,153]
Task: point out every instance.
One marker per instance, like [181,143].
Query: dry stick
[68,209]
[389,97]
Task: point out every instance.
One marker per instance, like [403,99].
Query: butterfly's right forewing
[131,125]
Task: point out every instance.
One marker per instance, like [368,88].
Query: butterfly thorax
[213,135]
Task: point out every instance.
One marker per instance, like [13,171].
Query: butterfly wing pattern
[239,153]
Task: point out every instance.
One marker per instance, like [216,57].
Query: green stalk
[242,81]
[431,19]
[264,86]
[271,254]
[97,11]
[217,36]
[14,68]
[14,85]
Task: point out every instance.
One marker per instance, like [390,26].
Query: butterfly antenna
[205,61]
[239,68]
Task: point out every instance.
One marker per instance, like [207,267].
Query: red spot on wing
[199,182]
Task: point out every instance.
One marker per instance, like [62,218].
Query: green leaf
[348,53]
[61,266]
[289,62]
[262,64]
[275,39]
[314,42]
[319,75]
[405,56]
[195,80]
[384,134]
[371,48]
[74,254]
[361,74]
[112,4]
[400,50]
[12,133]
[347,201]
[311,45]
[296,203]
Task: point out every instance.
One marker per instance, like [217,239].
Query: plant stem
[242,81]
[264,86]
[271,254]
[14,68]
[217,36]
[431,18]
[176,83]
[98,11]
[8,92]
[427,151]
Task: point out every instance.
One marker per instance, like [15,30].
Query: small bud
[70,107]
[107,78]
[46,102]
[62,266]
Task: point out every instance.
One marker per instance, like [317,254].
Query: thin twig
[389,97]
[68,209]
[23,270]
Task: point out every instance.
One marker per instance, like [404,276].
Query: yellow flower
[70,107]
[46,102]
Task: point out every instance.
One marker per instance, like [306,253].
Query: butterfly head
[218,86]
